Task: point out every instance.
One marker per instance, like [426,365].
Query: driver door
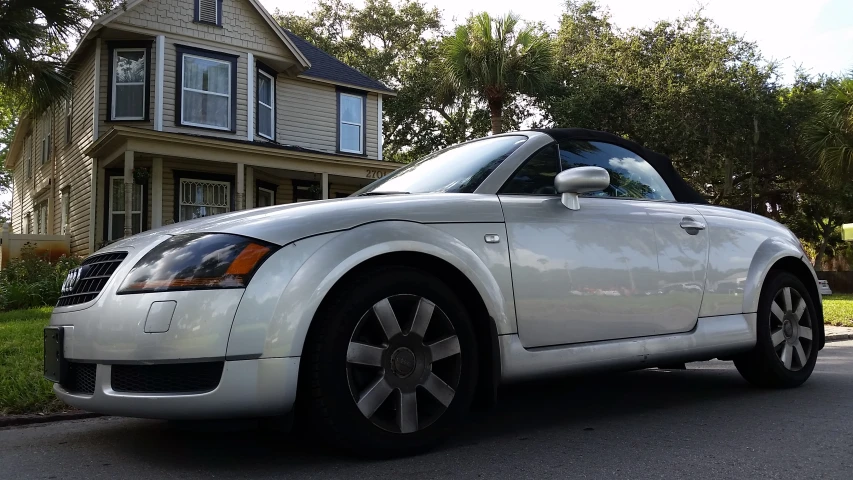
[591,274]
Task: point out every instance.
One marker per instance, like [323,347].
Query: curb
[18,420]
[839,337]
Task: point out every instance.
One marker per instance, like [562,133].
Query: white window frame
[360,125]
[65,210]
[120,210]
[270,192]
[25,228]
[69,108]
[47,128]
[28,153]
[144,83]
[227,128]
[271,106]
[41,208]
[199,180]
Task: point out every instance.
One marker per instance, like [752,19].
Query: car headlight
[197,262]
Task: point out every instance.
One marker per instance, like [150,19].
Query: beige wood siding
[372,126]
[242,26]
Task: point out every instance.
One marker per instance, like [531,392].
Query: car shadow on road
[572,406]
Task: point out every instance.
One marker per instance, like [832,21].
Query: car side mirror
[569,183]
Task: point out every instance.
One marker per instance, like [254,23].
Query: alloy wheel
[791,328]
[403,375]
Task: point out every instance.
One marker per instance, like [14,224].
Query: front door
[593,274]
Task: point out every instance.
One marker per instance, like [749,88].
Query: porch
[146,179]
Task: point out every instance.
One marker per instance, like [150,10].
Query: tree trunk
[821,250]
[496,106]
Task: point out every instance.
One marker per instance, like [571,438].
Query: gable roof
[329,68]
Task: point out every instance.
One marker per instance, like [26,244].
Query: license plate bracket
[55,365]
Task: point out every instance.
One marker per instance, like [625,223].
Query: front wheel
[392,362]
[786,348]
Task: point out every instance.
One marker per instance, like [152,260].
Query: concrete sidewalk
[837,334]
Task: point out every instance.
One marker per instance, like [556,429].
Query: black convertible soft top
[682,191]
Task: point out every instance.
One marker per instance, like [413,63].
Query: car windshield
[457,169]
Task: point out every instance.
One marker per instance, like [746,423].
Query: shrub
[32,281]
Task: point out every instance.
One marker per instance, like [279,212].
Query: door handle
[692,226]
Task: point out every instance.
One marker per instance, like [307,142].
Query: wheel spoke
[786,295]
[438,389]
[777,337]
[777,311]
[374,396]
[801,307]
[806,332]
[444,348]
[385,313]
[801,354]
[363,354]
[407,412]
[787,355]
[422,317]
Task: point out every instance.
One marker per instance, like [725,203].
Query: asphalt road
[703,423]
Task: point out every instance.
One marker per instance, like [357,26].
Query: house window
[208,11]
[28,154]
[41,218]
[351,118]
[26,228]
[129,84]
[47,127]
[65,206]
[266,198]
[266,104]
[304,191]
[203,198]
[116,209]
[68,111]
[207,82]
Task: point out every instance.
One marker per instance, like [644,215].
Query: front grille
[80,378]
[95,271]
[173,378]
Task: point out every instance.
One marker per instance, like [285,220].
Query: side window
[536,176]
[630,175]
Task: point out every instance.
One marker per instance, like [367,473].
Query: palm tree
[32,37]
[498,58]
[830,135]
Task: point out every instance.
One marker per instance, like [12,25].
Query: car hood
[284,224]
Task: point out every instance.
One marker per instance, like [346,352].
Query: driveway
[703,423]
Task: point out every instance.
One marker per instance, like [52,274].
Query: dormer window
[208,11]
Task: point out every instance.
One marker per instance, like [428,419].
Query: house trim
[194,174]
[146,94]
[180,51]
[387,93]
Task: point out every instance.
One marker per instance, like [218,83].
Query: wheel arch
[776,254]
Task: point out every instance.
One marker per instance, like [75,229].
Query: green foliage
[838,310]
[496,58]
[32,281]
[23,388]
[830,134]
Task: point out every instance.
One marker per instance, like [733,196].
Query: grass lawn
[22,387]
[838,309]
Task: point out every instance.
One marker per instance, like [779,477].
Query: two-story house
[188,108]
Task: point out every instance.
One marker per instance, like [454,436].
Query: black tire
[327,373]
[763,366]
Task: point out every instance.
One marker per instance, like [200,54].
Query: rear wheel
[786,351]
[392,363]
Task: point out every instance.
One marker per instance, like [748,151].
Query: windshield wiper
[367,194]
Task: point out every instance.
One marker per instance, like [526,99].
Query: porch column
[241,186]
[250,187]
[156,192]
[128,193]
[324,184]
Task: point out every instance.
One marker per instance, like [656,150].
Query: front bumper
[248,388]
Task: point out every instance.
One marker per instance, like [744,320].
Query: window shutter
[208,11]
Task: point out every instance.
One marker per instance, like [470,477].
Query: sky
[814,34]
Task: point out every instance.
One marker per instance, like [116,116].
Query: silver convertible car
[382,318]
